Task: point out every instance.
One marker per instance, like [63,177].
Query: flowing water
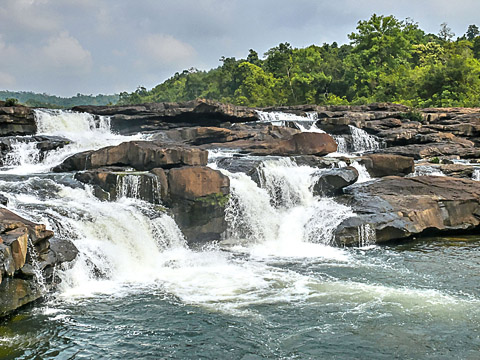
[273,288]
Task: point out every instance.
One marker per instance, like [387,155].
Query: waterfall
[426,170]
[305,123]
[22,153]
[84,132]
[362,141]
[282,217]
[139,185]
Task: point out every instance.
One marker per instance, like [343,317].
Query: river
[274,288]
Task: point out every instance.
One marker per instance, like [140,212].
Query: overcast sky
[64,47]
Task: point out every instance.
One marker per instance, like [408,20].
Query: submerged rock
[397,208]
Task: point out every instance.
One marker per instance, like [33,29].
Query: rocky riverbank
[168,168]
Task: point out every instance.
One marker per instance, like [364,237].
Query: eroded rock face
[140,155]
[25,246]
[397,208]
[17,120]
[155,116]
[198,196]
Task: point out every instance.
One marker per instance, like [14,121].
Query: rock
[395,208]
[25,246]
[203,135]
[3,200]
[379,165]
[307,143]
[140,155]
[331,182]
[16,292]
[65,250]
[156,116]
[198,196]
[116,182]
[17,120]
[421,151]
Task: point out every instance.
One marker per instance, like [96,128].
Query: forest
[387,60]
[32,99]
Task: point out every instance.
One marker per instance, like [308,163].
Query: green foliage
[11,102]
[214,200]
[388,60]
[434,160]
[54,102]
[413,115]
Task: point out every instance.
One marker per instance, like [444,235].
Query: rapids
[273,288]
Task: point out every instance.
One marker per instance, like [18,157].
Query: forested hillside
[387,60]
[50,101]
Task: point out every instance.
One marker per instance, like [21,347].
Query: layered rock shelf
[29,254]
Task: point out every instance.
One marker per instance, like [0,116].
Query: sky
[65,47]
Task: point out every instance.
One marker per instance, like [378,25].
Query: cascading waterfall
[82,130]
[282,217]
[292,292]
[362,141]
[305,123]
[22,153]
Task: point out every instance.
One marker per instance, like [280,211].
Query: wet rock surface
[398,208]
[28,254]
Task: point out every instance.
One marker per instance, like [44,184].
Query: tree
[381,45]
[445,33]
[256,87]
[472,32]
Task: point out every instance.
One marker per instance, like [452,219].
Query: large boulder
[198,196]
[331,182]
[379,165]
[140,155]
[306,143]
[397,208]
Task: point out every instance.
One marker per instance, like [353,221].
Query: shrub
[11,102]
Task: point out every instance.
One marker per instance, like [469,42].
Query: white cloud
[65,52]
[6,80]
[167,50]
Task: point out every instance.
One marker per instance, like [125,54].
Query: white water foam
[362,141]
[83,131]
[305,123]
[282,217]
[476,174]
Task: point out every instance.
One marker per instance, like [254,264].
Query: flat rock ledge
[394,208]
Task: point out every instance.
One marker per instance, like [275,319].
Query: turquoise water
[414,300]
